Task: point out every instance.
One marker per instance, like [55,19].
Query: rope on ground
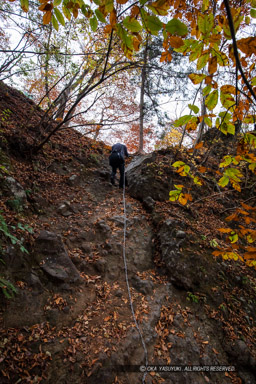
[128,286]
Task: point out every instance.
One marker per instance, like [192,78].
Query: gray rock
[65,209]
[143,286]
[103,227]
[180,234]
[73,180]
[34,281]
[149,203]
[142,179]
[119,293]
[17,195]
[86,248]
[53,258]
[183,268]
[100,265]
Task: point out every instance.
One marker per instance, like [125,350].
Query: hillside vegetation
[64,307]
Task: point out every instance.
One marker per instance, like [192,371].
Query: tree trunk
[142,93]
[46,71]
[202,124]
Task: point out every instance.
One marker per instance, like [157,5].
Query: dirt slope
[70,320]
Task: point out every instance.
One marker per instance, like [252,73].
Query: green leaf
[23,249]
[233,174]
[178,164]
[233,238]
[100,16]
[227,160]
[186,168]
[249,119]
[132,24]
[208,121]
[174,195]
[56,2]
[176,27]
[227,100]
[207,90]
[205,5]
[223,181]
[231,129]
[194,108]
[202,61]
[182,120]
[197,181]
[127,41]
[205,23]
[59,16]
[253,13]
[66,12]
[109,5]
[196,78]
[94,23]
[212,100]
[222,58]
[24,5]
[153,24]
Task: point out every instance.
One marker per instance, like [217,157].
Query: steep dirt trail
[81,333]
[105,317]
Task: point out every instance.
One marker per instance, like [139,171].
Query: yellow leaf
[212,66]
[182,199]
[228,89]
[136,44]
[247,45]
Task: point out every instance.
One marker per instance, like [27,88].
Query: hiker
[117,160]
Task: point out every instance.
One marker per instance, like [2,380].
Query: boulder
[51,255]
[143,182]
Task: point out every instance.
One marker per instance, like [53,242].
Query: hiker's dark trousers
[117,162]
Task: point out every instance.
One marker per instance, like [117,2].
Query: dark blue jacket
[120,148]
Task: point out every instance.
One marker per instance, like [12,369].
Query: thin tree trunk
[46,72]
[202,124]
[142,93]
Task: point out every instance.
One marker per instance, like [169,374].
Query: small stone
[119,293]
[181,234]
[73,180]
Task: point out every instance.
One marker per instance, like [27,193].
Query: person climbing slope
[117,161]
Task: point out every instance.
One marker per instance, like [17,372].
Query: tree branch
[233,34]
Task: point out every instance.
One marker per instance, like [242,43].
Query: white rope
[128,286]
